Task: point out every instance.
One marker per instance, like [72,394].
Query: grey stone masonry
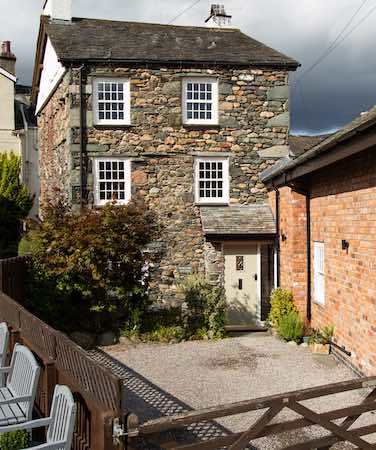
[253,116]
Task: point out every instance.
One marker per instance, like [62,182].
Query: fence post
[14,338]
[50,382]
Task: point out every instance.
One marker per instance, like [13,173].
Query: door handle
[255,276]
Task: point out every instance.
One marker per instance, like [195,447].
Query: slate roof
[239,220]
[301,144]
[361,123]
[93,39]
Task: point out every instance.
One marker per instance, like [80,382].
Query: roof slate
[93,39]
[239,220]
[301,144]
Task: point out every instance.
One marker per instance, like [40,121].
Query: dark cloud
[331,95]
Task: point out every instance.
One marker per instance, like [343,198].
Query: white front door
[242,282]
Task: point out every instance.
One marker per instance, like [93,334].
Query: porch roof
[238,220]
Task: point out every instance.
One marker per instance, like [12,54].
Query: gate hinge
[119,432]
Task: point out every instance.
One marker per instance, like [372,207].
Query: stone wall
[55,151]
[253,130]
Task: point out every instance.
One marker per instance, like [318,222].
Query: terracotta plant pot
[323,349]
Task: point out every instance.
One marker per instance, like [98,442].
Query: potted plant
[319,341]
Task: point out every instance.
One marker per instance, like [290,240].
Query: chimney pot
[7,59]
[218,17]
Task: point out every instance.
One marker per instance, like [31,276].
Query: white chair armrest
[49,446]
[4,369]
[10,401]
[39,423]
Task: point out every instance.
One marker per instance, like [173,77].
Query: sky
[323,99]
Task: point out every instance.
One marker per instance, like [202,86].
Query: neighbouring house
[185,117]
[325,204]
[18,127]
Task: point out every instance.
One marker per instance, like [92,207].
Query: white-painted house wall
[8,141]
[52,73]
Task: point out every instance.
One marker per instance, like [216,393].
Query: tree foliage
[15,204]
[87,268]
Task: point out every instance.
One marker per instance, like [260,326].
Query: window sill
[112,126]
[222,204]
[320,304]
[201,126]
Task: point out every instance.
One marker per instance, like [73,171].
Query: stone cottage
[186,117]
[325,205]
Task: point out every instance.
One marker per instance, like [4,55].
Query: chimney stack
[7,59]
[218,17]
[58,9]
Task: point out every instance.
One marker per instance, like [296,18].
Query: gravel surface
[166,379]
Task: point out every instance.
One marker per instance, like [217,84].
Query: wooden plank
[330,426]
[181,420]
[280,427]
[328,441]
[257,427]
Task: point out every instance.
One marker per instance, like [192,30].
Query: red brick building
[324,202]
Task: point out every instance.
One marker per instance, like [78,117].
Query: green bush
[323,336]
[282,304]
[162,333]
[291,327]
[15,440]
[205,308]
[87,269]
[15,204]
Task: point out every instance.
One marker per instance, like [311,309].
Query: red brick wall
[344,207]
[293,251]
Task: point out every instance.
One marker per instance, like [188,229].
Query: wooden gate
[337,423]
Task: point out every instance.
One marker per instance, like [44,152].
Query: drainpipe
[309,281]
[277,214]
[82,138]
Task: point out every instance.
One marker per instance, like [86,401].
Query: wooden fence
[97,391]
[161,431]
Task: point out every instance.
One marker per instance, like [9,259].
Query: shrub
[205,308]
[282,304]
[291,327]
[15,440]
[163,333]
[87,269]
[323,336]
[15,204]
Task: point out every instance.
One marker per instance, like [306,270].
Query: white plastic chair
[60,423]
[4,339]
[18,395]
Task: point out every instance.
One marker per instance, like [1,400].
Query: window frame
[214,102]
[127,179]
[126,101]
[319,272]
[225,199]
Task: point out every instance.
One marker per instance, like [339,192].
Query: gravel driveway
[163,379]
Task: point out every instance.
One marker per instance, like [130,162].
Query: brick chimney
[218,17]
[58,9]
[7,59]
